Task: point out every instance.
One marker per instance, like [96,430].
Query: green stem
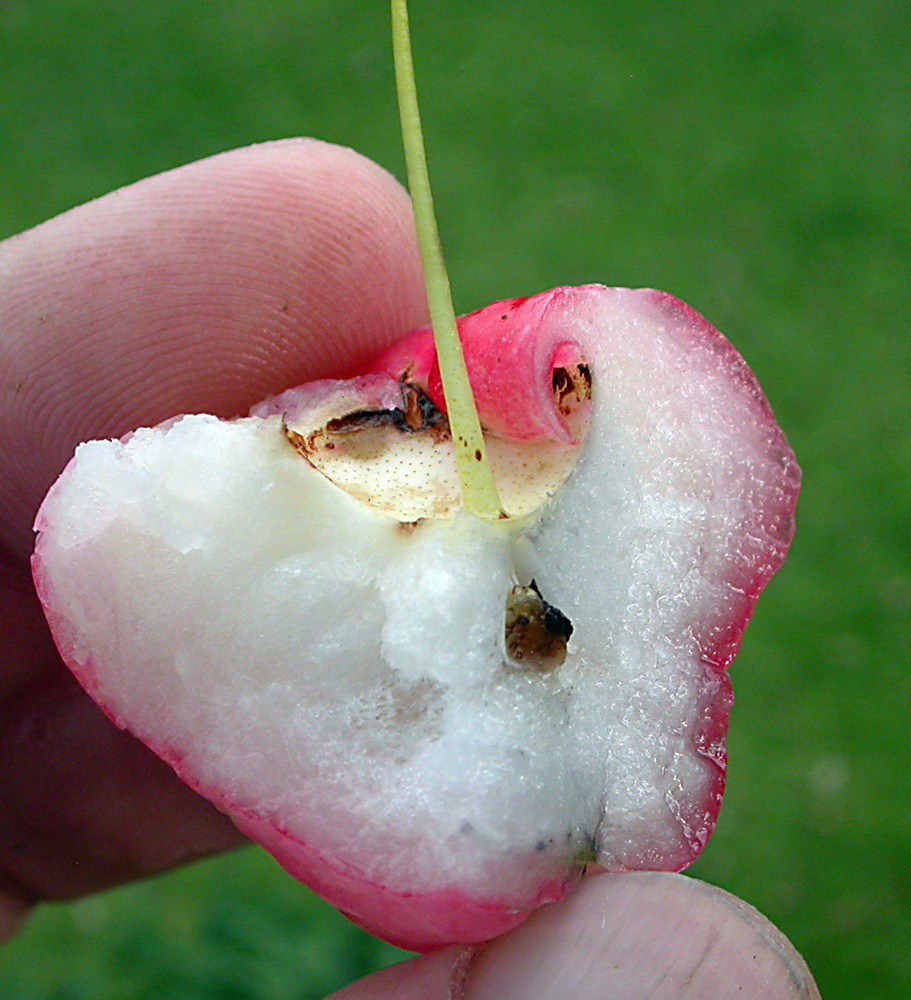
[479,491]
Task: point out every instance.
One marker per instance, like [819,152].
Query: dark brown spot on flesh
[418,413]
[362,420]
[477,455]
[572,386]
[536,631]
[303,444]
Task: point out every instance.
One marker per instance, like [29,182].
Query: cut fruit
[294,611]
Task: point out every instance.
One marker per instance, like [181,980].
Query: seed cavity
[388,445]
[572,387]
[396,459]
[417,413]
[536,632]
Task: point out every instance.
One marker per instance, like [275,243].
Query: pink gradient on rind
[511,348]
[414,922]
[776,519]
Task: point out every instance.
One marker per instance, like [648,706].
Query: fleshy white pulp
[309,659]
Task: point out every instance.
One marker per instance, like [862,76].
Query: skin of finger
[13,915]
[26,646]
[439,976]
[202,289]
[637,936]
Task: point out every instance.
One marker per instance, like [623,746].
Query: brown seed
[536,632]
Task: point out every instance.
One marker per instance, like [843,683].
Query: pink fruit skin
[511,349]
[419,923]
[511,374]
[416,923]
[510,362]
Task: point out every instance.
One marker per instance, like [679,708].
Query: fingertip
[642,935]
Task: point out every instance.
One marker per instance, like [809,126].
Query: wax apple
[296,612]
[443,635]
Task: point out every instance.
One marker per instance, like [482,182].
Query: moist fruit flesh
[328,659]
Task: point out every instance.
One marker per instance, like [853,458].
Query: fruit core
[386,442]
[390,446]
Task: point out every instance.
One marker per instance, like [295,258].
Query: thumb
[649,936]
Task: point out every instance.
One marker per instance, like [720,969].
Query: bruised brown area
[417,413]
[536,631]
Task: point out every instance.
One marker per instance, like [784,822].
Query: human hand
[206,289]
[642,936]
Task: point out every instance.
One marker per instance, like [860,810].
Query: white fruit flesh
[308,659]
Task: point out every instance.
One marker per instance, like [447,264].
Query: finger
[205,288]
[201,289]
[13,914]
[83,805]
[26,646]
[440,976]
[644,936]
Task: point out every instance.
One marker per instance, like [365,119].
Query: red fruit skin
[511,350]
[776,525]
[414,922]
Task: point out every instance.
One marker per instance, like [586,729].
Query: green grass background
[754,159]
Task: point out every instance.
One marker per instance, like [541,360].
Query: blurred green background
[753,159]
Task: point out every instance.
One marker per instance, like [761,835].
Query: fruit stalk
[479,491]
